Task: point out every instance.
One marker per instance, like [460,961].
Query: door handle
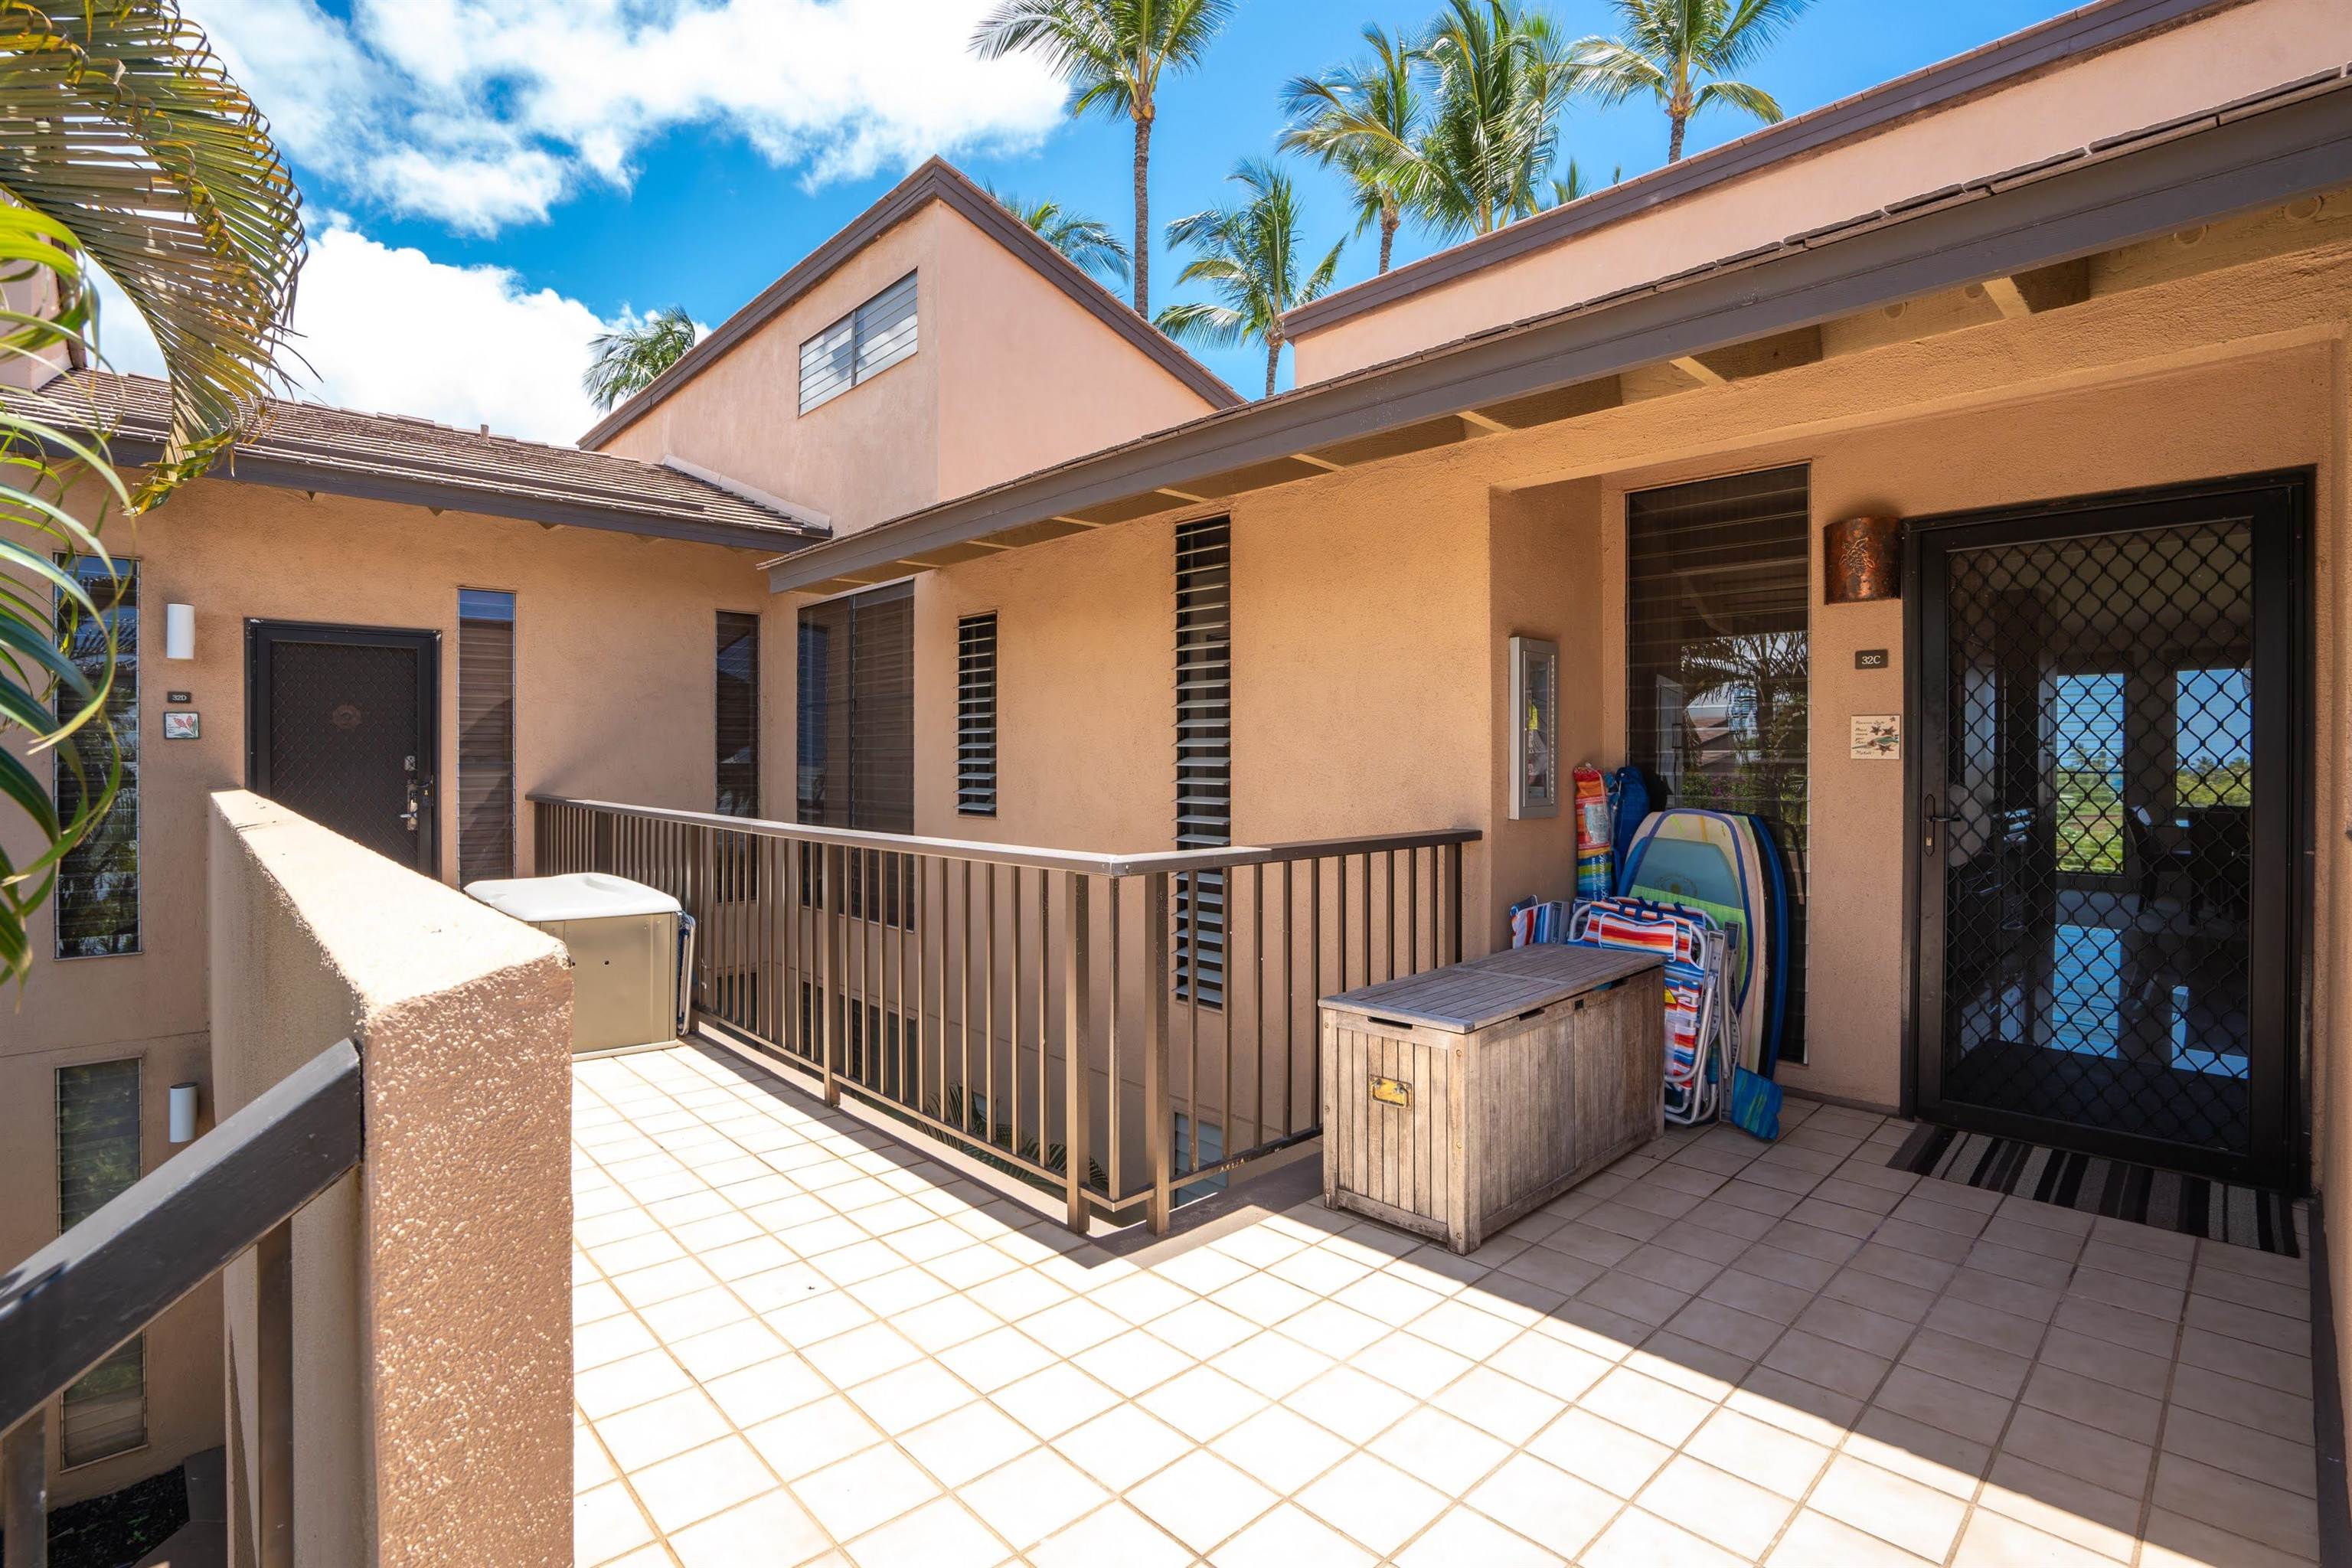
[409,817]
[1928,818]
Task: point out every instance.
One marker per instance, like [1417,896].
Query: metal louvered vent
[866,342]
[976,715]
[737,713]
[1204,748]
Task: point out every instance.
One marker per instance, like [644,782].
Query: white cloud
[480,113]
[389,329]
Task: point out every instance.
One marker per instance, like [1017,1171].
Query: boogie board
[1710,860]
[1776,928]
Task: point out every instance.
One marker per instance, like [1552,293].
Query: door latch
[409,817]
[1929,818]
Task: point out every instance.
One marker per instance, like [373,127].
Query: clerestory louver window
[976,716]
[1204,749]
[862,344]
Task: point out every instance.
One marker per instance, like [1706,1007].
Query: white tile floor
[800,1341]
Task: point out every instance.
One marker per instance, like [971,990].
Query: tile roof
[393,456]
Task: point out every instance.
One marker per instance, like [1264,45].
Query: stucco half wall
[432,1288]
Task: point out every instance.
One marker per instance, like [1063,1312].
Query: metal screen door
[2105,818]
[341,725]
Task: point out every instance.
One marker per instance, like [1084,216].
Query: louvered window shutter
[485,793]
[739,714]
[1717,659]
[1204,757]
[976,715]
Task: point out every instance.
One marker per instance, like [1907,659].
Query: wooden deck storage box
[1455,1100]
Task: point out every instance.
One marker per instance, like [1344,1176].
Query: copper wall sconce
[1861,559]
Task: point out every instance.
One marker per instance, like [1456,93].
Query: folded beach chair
[1697,1021]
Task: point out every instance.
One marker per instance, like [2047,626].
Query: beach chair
[1699,1043]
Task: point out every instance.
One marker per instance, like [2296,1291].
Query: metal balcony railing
[952,984]
[71,1304]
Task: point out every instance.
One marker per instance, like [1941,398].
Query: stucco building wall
[614,684]
[1010,374]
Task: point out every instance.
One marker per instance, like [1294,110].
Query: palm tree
[1681,52]
[1112,53]
[1501,79]
[1573,187]
[1364,120]
[1249,256]
[627,359]
[1086,241]
[124,147]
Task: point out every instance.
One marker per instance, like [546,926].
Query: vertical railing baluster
[1157,1119]
[1257,1004]
[1289,993]
[1364,891]
[1193,1015]
[987,990]
[1412,905]
[273,1338]
[1077,957]
[1045,1020]
[1113,1172]
[1453,862]
[827,994]
[963,1014]
[24,1491]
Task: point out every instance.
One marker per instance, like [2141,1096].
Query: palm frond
[1247,255]
[117,120]
[624,361]
[1086,241]
[124,147]
[1752,101]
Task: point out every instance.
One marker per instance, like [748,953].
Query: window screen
[739,714]
[976,715]
[1718,660]
[1204,750]
[856,711]
[96,902]
[105,1410]
[486,732]
[862,344]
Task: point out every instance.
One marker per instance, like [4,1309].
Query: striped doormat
[2247,1217]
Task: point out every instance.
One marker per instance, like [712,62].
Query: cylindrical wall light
[1861,559]
[184,1113]
[179,631]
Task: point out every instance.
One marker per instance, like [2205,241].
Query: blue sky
[490,182]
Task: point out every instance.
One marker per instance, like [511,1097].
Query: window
[856,711]
[105,1409]
[739,714]
[95,901]
[1718,660]
[860,346]
[486,734]
[1204,749]
[976,716]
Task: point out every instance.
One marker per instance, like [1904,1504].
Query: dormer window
[862,344]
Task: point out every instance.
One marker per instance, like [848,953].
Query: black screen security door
[343,726]
[2107,811]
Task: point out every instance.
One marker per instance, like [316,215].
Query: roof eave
[328,479]
[2091,29]
[2178,176]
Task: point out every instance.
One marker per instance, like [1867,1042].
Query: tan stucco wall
[614,679]
[432,1288]
[1012,376]
[1028,376]
[2215,59]
[1371,608]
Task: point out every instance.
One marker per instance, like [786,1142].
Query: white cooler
[627,957]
